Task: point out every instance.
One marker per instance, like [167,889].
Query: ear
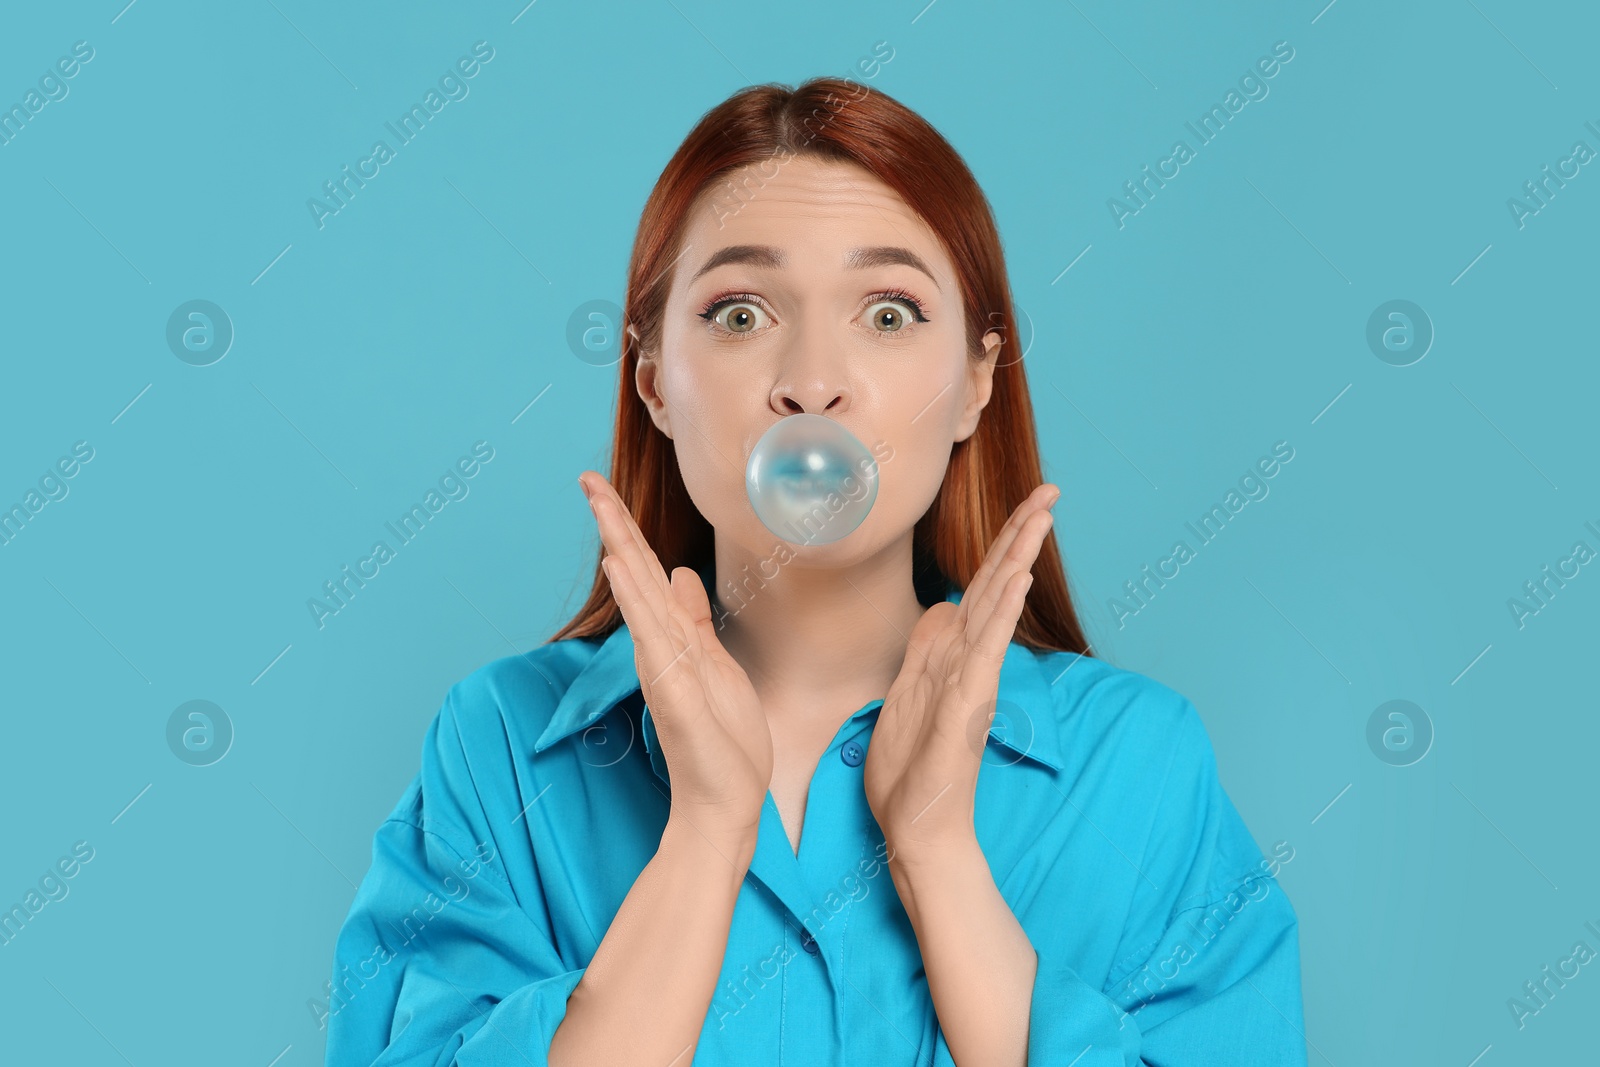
[647,381]
[980,384]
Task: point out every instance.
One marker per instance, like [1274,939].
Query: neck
[817,636]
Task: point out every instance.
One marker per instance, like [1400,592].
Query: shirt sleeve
[438,962]
[1221,987]
[1209,963]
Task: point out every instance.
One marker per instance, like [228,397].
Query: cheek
[912,453]
[919,415]
[909,481]
[711,412]
[713,403]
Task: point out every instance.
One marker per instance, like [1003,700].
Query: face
[819,291]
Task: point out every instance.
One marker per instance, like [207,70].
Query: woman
[661,837]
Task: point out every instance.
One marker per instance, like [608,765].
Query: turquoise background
[1228,314]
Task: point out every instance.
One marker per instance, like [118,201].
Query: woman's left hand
[921,773]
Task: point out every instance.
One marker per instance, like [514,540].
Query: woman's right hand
[712,730]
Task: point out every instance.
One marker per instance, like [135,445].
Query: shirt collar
[1025,720]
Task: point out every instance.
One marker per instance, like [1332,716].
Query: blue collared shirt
[1161,931]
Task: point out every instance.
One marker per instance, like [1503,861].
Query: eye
[736,314]
[894,312]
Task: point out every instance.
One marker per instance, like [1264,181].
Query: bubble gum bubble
[810,480]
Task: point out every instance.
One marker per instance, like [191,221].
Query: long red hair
[989,473]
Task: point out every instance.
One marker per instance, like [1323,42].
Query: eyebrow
[770,258]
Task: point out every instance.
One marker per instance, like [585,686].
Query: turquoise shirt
[1162,934]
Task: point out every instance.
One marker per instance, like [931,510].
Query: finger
[611,519]
[1042,498]
[690,593]
[597,487]
[632,527]
[1008,532]
[920,649]
[656,653]
[980,672]
[1019,556]
[901,729]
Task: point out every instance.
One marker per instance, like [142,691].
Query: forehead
[815,210]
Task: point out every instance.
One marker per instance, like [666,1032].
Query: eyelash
[717,303]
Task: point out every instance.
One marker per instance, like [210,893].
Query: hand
[921,774]
[712,730]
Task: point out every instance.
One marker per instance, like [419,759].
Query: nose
[811,381]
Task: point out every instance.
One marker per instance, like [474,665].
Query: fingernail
[583,485]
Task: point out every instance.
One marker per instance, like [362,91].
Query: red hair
[989,473]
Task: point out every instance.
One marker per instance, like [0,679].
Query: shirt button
[852,754]
[809,943]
